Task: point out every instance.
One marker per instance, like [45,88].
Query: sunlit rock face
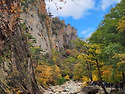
[50,33]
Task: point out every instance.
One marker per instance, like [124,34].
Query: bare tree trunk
[91,73]
[123,75]
[101,77]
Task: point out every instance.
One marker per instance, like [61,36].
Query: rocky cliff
[16,71]
[18,26]
[50,33]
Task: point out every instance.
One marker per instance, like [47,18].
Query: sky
[84,15]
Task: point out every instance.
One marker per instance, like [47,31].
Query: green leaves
[110,36]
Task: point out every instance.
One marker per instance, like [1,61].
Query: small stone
[64,90]
[59,91]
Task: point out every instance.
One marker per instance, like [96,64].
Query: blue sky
[85,15]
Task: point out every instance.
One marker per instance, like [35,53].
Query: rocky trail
[70,87]
[67,88]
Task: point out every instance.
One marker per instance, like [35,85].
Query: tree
[111,37]
[90,55]
[94,51]
[107,31]
[121,64]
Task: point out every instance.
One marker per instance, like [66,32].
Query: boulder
[90,89]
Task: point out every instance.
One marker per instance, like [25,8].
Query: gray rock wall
[50,33]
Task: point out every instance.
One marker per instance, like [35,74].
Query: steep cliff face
[16,72]
[16,65]
[62,35]
[35,21]
[50,33]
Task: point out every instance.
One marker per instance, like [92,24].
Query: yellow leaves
[36,47]
[44,72]
[59,76]
[95,77]
[85,57]
[97,51]
[86,45]
[121,57]
[121,24]
[54,58]
[80,57]
[23,1]
[19,91]
[15,12]
[94,48]
[90,50]
[67,77]
[85,79]
[76,77]
[122,63]
[20,10]
[7,91]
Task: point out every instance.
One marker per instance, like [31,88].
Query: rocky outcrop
[90,89]
[16,71]
[50,33]
[16,66]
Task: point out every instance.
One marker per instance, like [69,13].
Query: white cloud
[104,4]
[87,30]
[76,9]
[87,33]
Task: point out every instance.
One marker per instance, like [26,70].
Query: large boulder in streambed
[90,89]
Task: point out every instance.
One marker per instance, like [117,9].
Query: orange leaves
[1,10]
[11,11]
[15,11]
[3,2]
[26,10]
[68,52]
[9,7]
[12,7]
